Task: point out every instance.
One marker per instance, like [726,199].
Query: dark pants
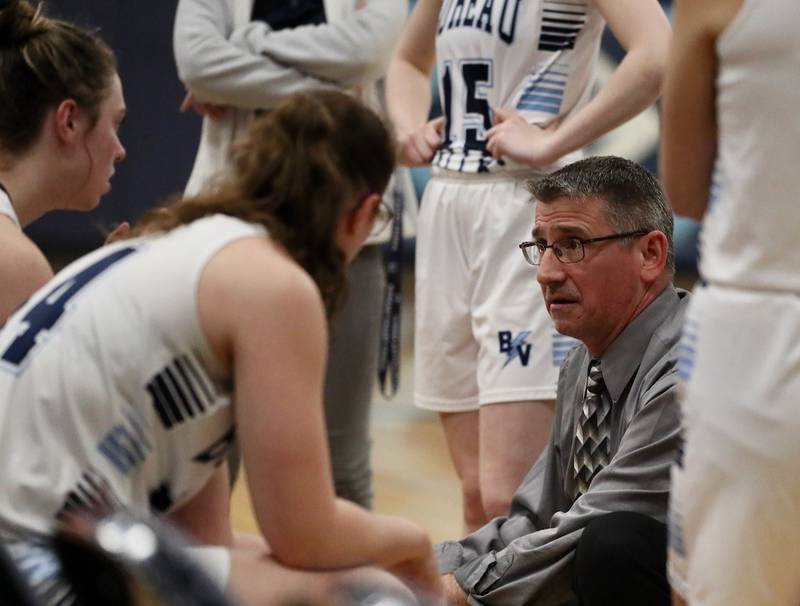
[621,560]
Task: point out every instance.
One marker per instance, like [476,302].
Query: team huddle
[614,436]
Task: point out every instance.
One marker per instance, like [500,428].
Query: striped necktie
[592,432]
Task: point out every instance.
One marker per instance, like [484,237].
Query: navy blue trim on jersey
[218,451]
[562,21]
[92,494]
[180,391]
[161,498]
[43,316]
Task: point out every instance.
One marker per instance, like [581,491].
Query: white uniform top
[109,392]
[537,57]
[751,235]
[6,209]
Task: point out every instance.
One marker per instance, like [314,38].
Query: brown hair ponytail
[296,173]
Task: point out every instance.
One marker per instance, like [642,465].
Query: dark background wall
[160,141]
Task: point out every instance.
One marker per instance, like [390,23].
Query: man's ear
[654,248]
[363,215]
[68,120]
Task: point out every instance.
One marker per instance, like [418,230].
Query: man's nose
[551,270]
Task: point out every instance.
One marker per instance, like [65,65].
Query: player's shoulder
[256,271]
[252,290]
[23,267]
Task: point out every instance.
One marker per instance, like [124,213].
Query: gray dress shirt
[526,558]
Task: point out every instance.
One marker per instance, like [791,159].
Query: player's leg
[520,353]
[735,512]
[350,379]
[461,432]
[512,434]
[445,351]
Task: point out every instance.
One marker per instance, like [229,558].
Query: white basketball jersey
[6,209]
[751,234]
[109,392]
[535,56]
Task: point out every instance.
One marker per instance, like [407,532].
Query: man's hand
[453,594]
[416,148]
[215,112]
[512,137]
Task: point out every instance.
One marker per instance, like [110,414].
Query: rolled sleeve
[510,561]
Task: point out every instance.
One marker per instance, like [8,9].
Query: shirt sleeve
[351,52]
[218,67]
[536,566]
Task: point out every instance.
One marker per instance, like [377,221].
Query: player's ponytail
[296,173]
[44,61]
[19,22]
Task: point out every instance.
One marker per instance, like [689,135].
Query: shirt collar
[621,360]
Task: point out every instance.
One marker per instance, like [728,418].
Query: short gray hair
[632,197]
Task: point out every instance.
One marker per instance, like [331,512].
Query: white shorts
[482,333]
[735,503]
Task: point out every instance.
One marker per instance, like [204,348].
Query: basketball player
[731,96]
[516,83]
[58,134]
[237,57]
[127,379]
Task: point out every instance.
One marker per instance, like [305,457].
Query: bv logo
[515,347]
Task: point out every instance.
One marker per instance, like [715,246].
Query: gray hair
[632,197]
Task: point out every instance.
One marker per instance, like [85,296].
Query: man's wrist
[453,593]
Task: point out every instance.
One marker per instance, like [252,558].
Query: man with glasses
[587,524]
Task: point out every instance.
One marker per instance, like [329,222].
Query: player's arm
[217,70]
[408,85]
[352,51]
[642,28]
[689,121]
[268,317]
[23,269]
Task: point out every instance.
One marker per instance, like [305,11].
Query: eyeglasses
[568,250]
[382,219]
